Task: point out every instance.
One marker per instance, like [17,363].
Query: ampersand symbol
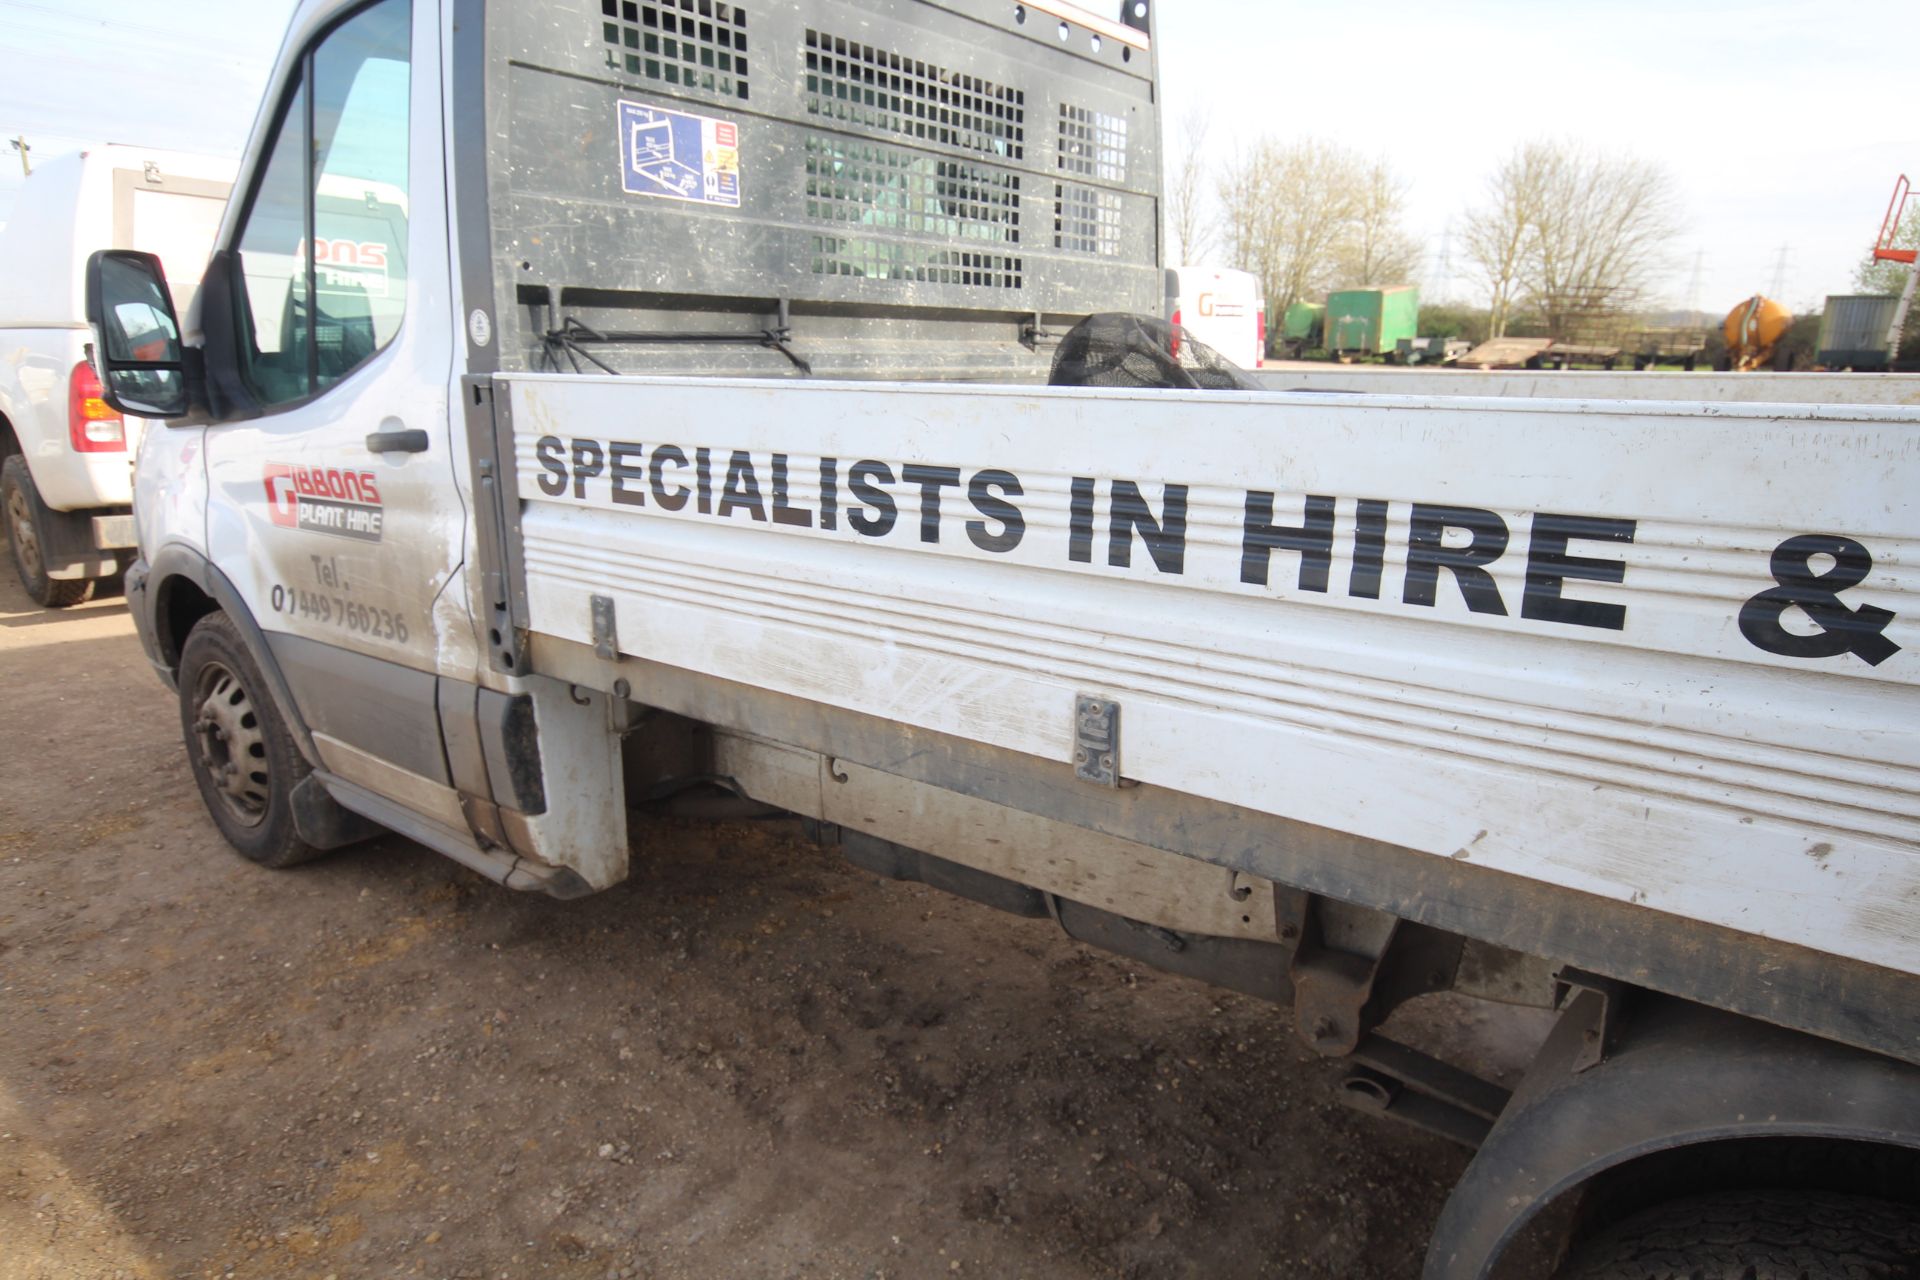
[1842,630]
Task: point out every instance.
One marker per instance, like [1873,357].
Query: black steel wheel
[243,758]
[1756,1235]
[27,518]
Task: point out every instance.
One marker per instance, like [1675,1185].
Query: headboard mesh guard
[690,186]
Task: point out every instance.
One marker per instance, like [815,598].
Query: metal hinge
[1096,740]
[606,643]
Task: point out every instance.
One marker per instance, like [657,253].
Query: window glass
[273,267]
[360,193]
[323,251]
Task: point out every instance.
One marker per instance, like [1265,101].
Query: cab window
[323,265]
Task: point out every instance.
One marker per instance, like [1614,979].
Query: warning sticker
[679,155]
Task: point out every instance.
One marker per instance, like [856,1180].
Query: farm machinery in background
[1858,331]
[1360,324]
[1865,331]
[1884,250]
[1752,330]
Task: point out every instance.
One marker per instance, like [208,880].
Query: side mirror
[136,336]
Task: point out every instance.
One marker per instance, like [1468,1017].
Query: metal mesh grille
[1093,144]
[695,44]
[1085,220]
[888,189]
[926,264]
[859,84]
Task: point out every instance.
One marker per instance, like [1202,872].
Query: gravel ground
[750,1060]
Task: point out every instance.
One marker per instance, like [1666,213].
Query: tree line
[1562,231]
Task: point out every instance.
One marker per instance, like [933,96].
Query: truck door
[335,511]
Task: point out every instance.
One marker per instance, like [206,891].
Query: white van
[66,474]
[1222,308]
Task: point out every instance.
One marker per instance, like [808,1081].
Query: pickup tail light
[93,425]
[1260,352]
[1176,333]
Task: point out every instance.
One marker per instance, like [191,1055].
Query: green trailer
[1304,327]
[1369,322]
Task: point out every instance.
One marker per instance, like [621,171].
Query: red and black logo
[325,500]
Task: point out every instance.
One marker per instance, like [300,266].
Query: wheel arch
[1685,1091]
[1878,1169]
[186,587]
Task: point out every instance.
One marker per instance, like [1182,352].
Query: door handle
[410,441]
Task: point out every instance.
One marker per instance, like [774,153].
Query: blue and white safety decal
[679,155]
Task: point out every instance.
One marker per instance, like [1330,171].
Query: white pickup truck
[66,475]
[637,396]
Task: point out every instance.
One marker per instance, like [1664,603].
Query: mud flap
[323,822]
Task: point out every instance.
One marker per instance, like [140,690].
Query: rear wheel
[1756,1235]
[243,759]
[27,521]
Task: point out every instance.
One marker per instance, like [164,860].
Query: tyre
[243,758]
[27,522]
[1756,1235]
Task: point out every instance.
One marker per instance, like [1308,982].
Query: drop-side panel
[1593,384]
[1668,657]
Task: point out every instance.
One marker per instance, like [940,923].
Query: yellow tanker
[1751,329]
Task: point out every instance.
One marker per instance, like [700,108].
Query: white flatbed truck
[635,397]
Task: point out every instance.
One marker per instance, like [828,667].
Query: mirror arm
[193,363]
[215,363]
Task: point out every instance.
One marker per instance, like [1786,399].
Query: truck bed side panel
[1557,640]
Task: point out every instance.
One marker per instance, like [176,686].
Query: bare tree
[1241,189]
[1187,222]
[1577,233]
[1285,209]
[1499,235]
[1376,248]
[1604,235]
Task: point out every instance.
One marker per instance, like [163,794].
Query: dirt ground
[751,1060]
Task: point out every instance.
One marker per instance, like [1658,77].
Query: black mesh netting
[1114,349]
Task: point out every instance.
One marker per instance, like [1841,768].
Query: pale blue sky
[1784,121]
[184,74]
